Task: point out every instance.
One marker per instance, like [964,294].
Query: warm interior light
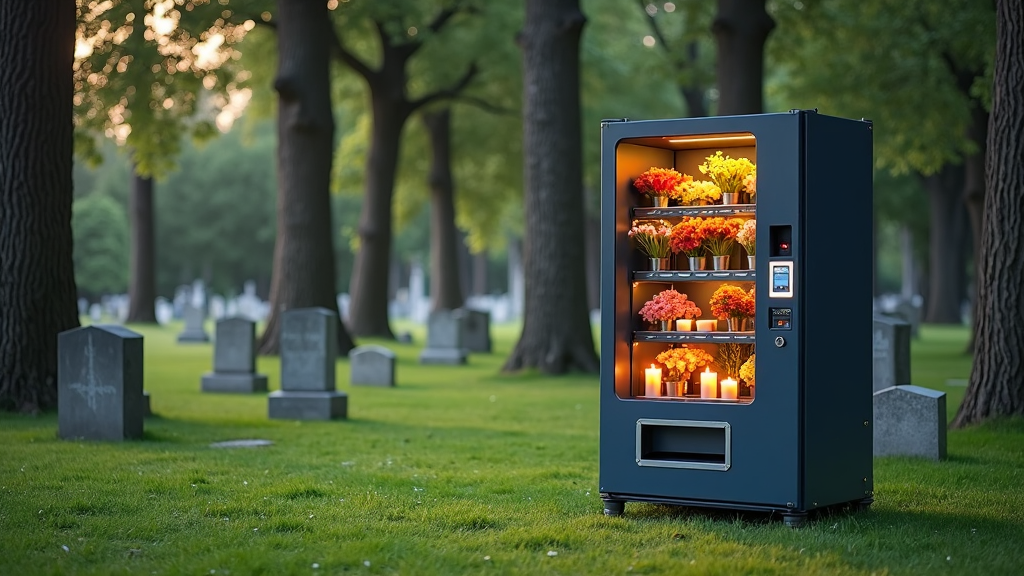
[709,139]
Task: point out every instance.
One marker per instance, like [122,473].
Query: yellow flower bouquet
[729,174]
[696,192]
[683,361]
[747,370]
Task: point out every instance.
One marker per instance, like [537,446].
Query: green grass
[459,470]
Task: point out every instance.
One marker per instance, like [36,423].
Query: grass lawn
[460,470]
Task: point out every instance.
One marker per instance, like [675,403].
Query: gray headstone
[95,312]
[910,421]
[234,359]
[910,312]
[476,330]
[309,347]
[99,383]
[372,365]
[890,350]
[194,330]
[444,339]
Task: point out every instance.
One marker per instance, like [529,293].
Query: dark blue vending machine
[736,313]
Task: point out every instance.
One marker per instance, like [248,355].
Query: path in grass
[458,470]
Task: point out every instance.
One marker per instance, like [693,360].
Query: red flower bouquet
[688,237]
[658,181]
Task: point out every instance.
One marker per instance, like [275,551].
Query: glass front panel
[691,225]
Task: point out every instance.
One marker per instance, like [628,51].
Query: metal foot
[795,519]
[614,507]
[862,505]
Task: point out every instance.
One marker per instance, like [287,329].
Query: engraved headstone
[194,330]
[309,347]
[910,421]
[99,383]
[476,330]
[234,359]
[444,339]
[372,365]
[890,350]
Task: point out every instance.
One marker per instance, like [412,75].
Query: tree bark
[556,334]
[741,29]
[37,276]
[974,199]
[946,254]
[142,263]
[445,280]
[303,274]
[995,387]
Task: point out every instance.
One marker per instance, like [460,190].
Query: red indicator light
[784,245]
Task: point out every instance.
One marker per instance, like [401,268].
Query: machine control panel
[781,318]
[781,276]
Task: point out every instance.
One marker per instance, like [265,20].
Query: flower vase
[720,262]
[751,261]
[660,201]
[672,388]
[730,198]
[696,263]
[659,264]
[736,324]
[665,324]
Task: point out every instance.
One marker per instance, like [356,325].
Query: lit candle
[708,383]
[707,325]
[730,389]
[684,325]
[652,381]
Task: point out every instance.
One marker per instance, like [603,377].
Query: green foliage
[100,229]
[147,73]
[913,67]
[459,471]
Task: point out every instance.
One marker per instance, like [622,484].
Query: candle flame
[708,369]
[652,366]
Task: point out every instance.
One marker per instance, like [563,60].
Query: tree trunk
[480,274]
[142,267]
[692,91]
[974,199]
[303,273]
[741,29]
[368,315]
[556,333]
[445,285]
[37,276]
[995,387]
[946,254]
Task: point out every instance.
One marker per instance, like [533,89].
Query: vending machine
[736,313]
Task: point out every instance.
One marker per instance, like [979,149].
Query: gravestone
[99,383]
[910,421]
[234,359]
[309,346]
[372,365]
[95,313]
[194,330]
[890,351]
[909,310]
[444,339]
[476,330]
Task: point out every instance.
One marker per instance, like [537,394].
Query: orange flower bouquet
[668,305]
[720,234]
[688,237]
[658,181]
[683,361]
[732,302]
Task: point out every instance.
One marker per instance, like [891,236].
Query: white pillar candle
[652,381]
[707,325]
[730,389]
[708,383]
[684,325]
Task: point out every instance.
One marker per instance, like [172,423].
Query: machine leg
[863,505]
[795,519]
[613,507]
